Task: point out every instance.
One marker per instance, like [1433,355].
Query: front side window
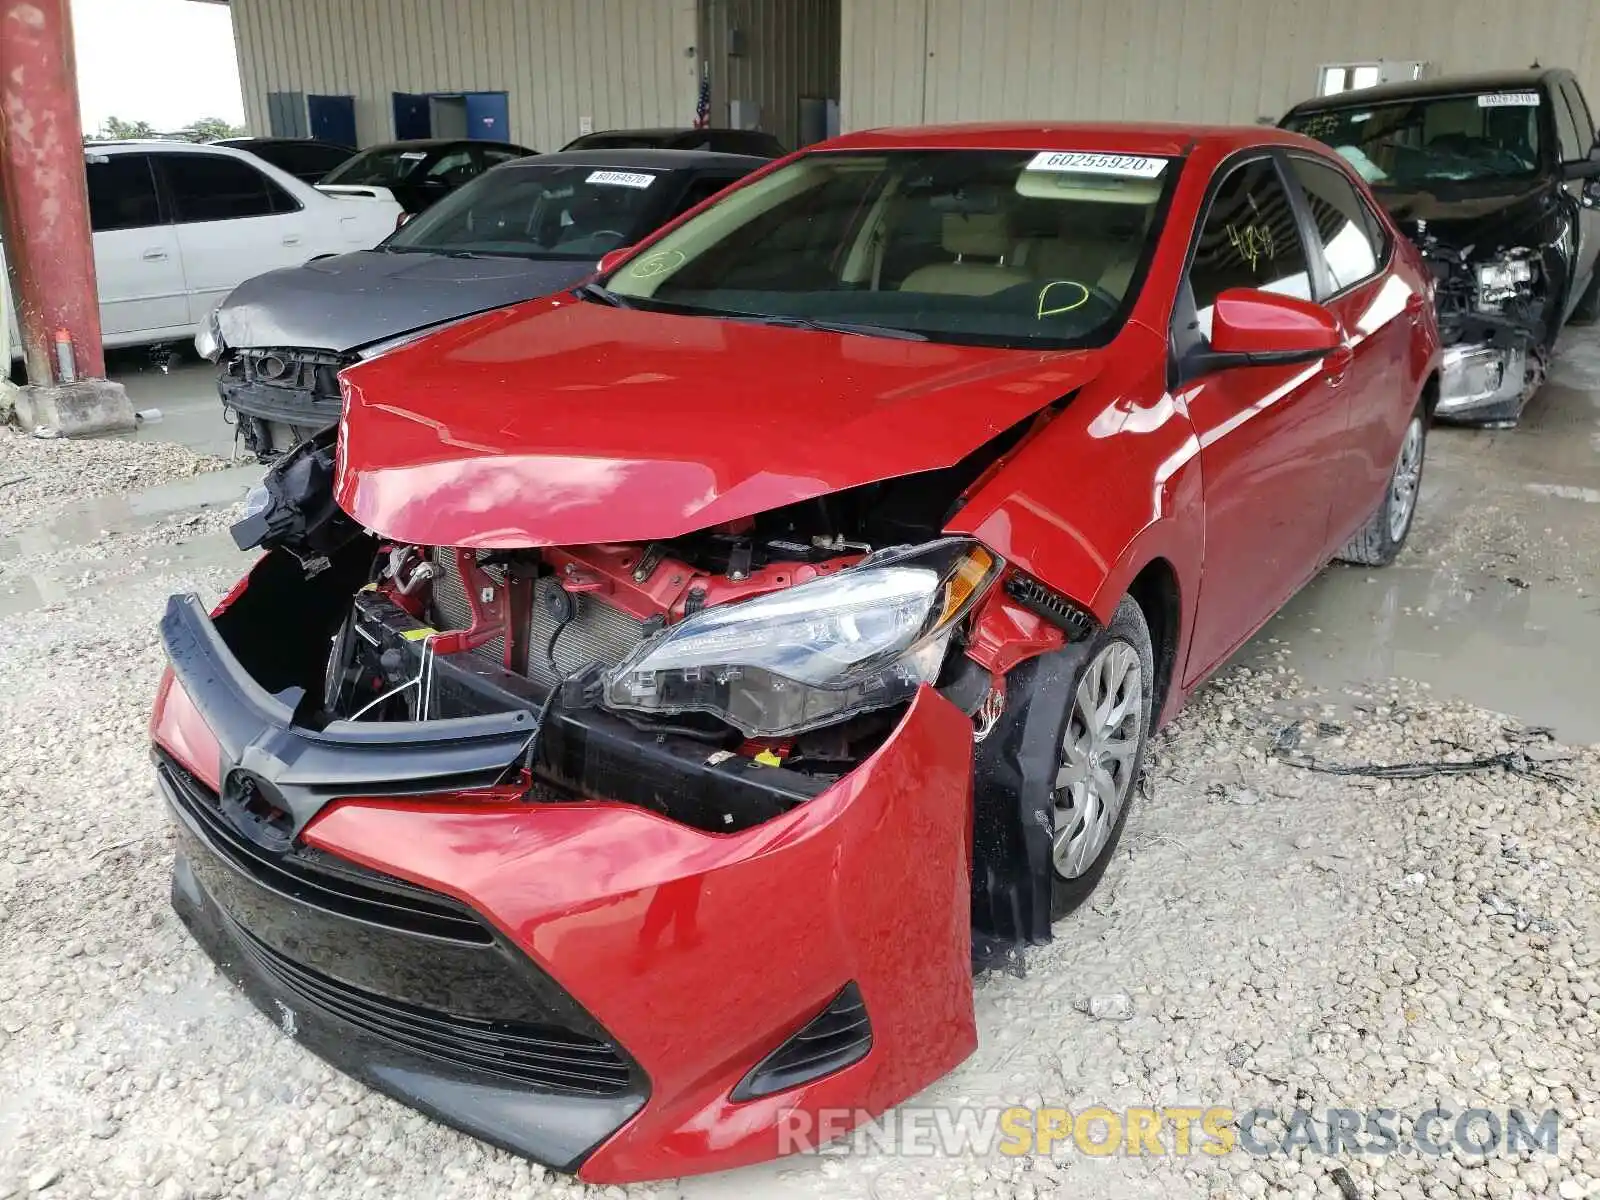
[1006,248]
[1250,239]
[1435,140]
[209,187]
[122,193]
[1345,227]
[536,212]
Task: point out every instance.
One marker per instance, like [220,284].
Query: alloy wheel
[1407,476]
[1098,753]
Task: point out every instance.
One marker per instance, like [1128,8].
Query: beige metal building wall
[619,62]
[786,49]
[909,61]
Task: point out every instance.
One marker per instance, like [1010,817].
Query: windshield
[380,168]
[537,212]
[1412,144]
[1003,248]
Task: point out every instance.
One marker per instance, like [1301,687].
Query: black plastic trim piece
[1052,606]
[841,1034]
[559,1128]
[302,769]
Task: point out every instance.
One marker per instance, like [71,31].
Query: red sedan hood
[562,422]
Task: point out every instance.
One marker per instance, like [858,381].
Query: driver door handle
[155,254]
[1336,364]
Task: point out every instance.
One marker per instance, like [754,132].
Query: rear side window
[1352,240]
[122,193]
[308,161]
[1250,239]
[209,187]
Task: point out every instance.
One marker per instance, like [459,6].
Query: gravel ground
[1276,937]
[40,475]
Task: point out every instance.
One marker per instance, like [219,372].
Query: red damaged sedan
[657,696]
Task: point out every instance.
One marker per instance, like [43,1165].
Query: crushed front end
[278,397]
[612,855]
[1494,322]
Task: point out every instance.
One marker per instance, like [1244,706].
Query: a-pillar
[47,241]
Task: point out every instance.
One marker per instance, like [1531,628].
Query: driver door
[1269,436]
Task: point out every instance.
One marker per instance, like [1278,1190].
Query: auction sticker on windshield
[1127,166]
[1509,100]
[633,179]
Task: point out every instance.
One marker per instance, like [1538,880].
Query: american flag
[702,107]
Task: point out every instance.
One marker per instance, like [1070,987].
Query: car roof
[437,144]
[245,143]
[1443,85]
[644,158]
[664,131]
[165,145]
[1107,137]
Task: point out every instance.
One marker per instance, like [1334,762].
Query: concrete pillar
[45,209]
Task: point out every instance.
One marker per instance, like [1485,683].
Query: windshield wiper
[600,295]
[788,322]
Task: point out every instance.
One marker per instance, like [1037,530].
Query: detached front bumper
[584,982]
[1483,383]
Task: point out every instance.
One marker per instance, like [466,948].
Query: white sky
[168,62]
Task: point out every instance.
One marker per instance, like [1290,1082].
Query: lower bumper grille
[316,878]
[551,1059]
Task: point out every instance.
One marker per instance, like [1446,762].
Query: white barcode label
[633,179]
[1509,100]
[1127,166]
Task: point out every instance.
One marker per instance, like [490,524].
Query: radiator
[597,632]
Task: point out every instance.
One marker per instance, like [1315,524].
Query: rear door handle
[1336,364]
[291,239]
[155,254]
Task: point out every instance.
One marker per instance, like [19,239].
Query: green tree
[120,130]
[210,129]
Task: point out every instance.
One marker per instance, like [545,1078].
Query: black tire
[1588,310]
[1379,541]
[1017,892]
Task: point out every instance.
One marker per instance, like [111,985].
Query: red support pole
[43,197]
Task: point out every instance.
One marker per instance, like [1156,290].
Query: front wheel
[1379,541]
[1100,755]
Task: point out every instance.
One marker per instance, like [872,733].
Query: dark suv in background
[1496,178]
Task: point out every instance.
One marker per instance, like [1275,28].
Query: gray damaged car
[525,229]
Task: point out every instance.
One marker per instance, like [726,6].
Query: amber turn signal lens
[968,576]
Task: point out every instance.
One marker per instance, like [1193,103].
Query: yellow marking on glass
[1057,310]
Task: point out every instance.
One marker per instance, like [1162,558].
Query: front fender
[1110,485]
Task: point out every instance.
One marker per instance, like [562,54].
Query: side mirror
[1583,168]
[612,259]
[1251,328]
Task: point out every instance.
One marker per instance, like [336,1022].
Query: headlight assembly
[208,343]
[813,654]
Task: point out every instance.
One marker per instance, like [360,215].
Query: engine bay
[355,630]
